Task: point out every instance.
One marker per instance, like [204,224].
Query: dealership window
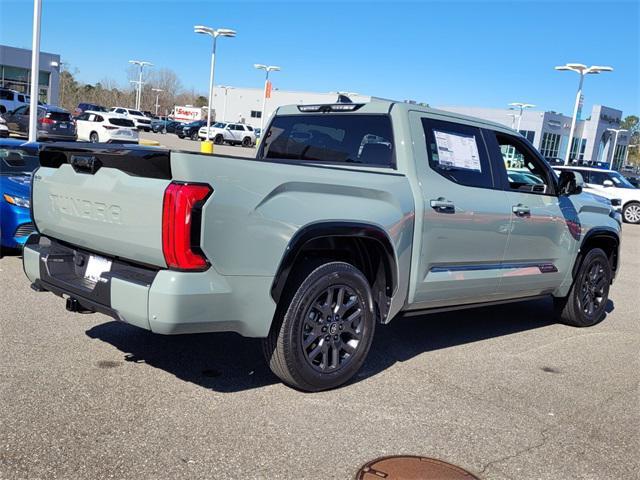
[618,155]
[256,114]
[574,148]
[528,134]
[550,145]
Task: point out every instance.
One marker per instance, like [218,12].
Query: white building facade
[549,132]
[244,105]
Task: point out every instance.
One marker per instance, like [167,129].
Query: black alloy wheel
[332,328]
[586,303]
[323,327]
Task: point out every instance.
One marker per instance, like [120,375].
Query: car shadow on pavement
[227,362]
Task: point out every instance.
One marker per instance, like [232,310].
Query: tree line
[109,93]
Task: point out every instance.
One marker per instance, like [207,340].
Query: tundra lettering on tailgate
[78,207]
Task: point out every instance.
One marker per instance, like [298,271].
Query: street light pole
[612,163]
[158,91]
[35,70]
[141,64]
[267,69]
[221,32]
[581,70]
[521,107]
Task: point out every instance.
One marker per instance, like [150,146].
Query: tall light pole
[221,32]
[615,144]
[35,69]
[224,111]
[141,64]
[581,70]
[521,107]
[267,69]
[158,92]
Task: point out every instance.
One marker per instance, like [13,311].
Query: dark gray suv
[54,123]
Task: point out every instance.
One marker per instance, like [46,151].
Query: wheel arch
[362,243]
[605,238]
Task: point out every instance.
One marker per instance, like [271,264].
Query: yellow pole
[206,146]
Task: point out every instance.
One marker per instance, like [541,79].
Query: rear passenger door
[465,219]
[544,226]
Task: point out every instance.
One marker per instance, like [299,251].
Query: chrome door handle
[442,205]
[521,210]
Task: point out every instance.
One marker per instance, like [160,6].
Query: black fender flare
[596,232]
[325,229]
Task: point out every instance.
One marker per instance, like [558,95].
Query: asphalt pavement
[503,392]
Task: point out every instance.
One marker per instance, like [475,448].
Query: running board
[452,308]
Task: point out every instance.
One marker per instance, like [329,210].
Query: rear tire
[585,305]
[93,137]
[323,328]
[631,212]
[246,142]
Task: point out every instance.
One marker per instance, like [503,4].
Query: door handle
[521,210]
[442,205]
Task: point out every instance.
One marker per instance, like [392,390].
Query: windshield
[620,181]
[219,125]
[136,112]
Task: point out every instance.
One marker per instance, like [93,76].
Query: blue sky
[443,53]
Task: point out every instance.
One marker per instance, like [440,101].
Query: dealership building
[594,139]
[15,72]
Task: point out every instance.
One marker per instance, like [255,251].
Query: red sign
[267,90]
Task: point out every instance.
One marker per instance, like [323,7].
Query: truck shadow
[227,362]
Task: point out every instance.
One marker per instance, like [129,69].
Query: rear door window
[332,138]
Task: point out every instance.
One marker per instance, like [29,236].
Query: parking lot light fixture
[267,69]
[581,70]
[617,131]
[214,34]
[158,92]
[141,64]
[521,107]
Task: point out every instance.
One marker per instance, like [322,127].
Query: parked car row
[53,123]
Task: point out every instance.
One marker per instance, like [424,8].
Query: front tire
[631,212]
[586,303]
[219,140]
[194,136]
[321,337]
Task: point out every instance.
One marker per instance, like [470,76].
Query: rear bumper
[163,301]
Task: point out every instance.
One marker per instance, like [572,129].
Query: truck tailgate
[107,199]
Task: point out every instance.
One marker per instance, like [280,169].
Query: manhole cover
[412,468]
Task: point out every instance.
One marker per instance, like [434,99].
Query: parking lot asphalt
[501,391]
[172,141]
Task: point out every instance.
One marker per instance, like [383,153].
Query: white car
[4,130]
[231,133]
[612,185]
[140,119]
[105,127]
[10,100]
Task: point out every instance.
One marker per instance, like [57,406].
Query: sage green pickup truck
[349,216]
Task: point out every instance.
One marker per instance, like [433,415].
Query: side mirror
[570,183]
[607,183]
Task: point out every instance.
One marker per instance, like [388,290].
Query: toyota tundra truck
[349,216]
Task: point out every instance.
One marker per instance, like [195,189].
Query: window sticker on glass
[457,151]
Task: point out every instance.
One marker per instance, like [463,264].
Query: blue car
[18,160]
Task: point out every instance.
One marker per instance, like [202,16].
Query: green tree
[632,124]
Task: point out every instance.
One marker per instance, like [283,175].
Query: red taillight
[109,127]
[47,121]
[181,201]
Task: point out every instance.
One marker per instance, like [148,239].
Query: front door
[544,229]
[465,221]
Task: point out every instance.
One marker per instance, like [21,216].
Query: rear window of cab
[352,139]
